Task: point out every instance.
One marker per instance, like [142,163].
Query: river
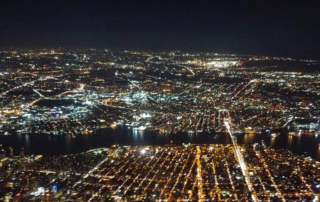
[304,144]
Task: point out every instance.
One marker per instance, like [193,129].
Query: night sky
[282,28]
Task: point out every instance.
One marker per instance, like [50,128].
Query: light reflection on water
[289,143]
[56,145]
[273,139]
[248,138]
[318,153]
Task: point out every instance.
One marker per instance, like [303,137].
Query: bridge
[242,163]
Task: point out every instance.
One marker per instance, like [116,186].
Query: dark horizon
[271,28]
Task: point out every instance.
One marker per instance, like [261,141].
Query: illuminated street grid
[74,92]
[200,173]
[60,91]
[277,173]
[164,173]
[170,173]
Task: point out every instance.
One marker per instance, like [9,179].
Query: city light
[160,126]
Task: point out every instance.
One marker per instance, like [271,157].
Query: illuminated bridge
[243,166]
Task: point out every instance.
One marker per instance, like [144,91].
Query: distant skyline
[284,28]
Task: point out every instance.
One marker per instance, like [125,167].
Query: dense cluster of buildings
[37,178]
[45,90]
[70,92]
[162,173]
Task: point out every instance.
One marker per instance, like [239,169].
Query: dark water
[305,144]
